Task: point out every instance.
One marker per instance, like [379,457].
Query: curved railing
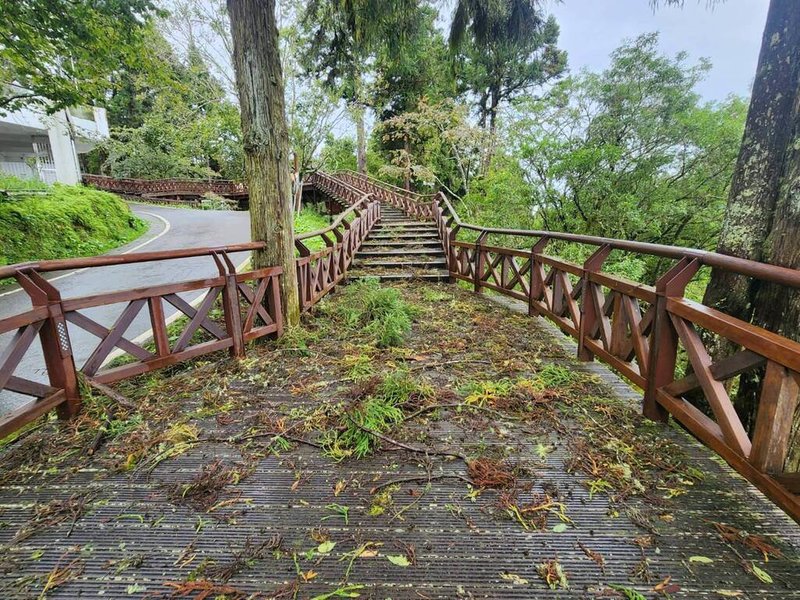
[250,304]
[145,187]
[640,329]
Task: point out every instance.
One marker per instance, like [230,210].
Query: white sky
[728,33]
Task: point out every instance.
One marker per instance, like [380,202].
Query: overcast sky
[729,34]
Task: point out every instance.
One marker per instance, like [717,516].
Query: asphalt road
[170,228]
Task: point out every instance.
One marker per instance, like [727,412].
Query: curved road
[170,228]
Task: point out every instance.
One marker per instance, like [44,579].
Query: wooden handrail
[742,266]
[423,197]
[46,266]
[361,204]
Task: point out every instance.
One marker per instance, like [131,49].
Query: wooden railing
[419,206]
[144,187]
[250,307]
[318,272]
[249,302]
[640,329]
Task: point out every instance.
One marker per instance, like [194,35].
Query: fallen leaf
[339,487]
[326,547]
[729,593]
[560,528]
[513,578]
[760,573]
[309,575]
[398,559]
[701,559]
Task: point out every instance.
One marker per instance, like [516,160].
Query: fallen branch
[388,440]
[102,431]
[431,407]
[112,394]
[425,478]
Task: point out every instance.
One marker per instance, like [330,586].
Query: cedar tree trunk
[259,80]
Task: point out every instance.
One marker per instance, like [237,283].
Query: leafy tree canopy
[61,53]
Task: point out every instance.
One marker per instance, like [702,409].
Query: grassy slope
[65,222]
[310,220]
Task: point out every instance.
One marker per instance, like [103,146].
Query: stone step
[409,227]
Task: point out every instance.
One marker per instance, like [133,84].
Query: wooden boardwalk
[190,496]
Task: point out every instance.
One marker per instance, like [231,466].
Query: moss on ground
[61,221]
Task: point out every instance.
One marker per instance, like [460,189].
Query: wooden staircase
[400,248]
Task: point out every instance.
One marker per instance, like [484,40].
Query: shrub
[66,221]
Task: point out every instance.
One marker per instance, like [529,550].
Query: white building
[34,145]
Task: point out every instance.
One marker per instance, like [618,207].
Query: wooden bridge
[685,535]
[170,191]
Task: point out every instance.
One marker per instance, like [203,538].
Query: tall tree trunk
[764,202]
[361,139]
[256,60]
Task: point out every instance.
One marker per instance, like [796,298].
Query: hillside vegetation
[39,222]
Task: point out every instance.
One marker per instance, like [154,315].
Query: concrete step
[424,275]
[404,222]
[400,263]
[419,251]
[410,227]
[402,235]
[427,243]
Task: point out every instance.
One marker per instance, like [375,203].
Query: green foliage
[338,154]
[504,66]
[380,312]
[68,221]
[378,411]
[171,119]
[436,145]
[630,153]
[62,52]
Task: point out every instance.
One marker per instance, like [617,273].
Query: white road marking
[167,227]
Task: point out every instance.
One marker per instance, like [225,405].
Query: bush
[62,222]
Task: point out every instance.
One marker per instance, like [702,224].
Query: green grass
[310,220]
[65,222]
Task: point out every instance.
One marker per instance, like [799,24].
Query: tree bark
[361,139]
[256,60]
[763,211]
[756,179]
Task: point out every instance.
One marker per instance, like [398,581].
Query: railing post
[664,338]
[54,337]
[230,303]
[533,284]
[479,262]
[589,314]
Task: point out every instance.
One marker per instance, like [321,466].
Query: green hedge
[61,221]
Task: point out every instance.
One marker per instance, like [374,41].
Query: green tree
[501,68]
[173,120]
[630,153]
[61,53]
[342,37]
[338,154]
